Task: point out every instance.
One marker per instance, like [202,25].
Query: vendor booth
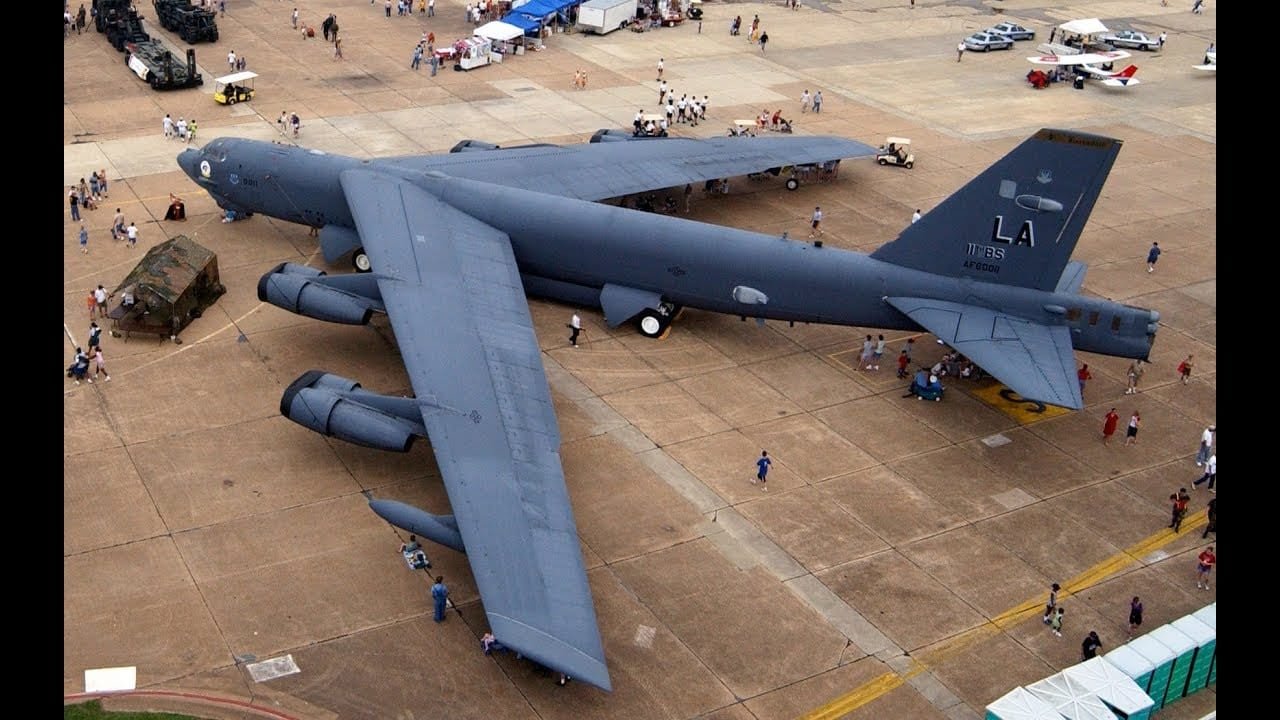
[507,39]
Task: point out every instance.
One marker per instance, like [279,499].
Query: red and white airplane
[1091,63]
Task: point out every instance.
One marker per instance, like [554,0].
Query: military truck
[154,63]
[193,24]
[120,22]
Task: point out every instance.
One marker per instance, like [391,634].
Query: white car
[984,41]
[1131,39]
[1012,31]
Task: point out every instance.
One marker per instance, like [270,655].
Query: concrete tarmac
[898,563]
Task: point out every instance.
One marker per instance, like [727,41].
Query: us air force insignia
[1045,177]
[205,170]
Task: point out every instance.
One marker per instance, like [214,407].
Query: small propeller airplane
[1091,64]
[1210,62]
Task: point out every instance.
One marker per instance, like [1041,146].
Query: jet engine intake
[336,407]
[305,291]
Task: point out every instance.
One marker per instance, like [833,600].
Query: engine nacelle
[336,407]
[442,529]
[298,289]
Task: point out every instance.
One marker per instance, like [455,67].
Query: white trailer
[605,16]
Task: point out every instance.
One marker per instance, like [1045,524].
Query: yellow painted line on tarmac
[886,682]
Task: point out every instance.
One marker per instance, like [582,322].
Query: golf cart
[234,88]
[896,151]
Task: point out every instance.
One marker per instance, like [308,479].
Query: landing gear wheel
[652,324]
[360,261]
[792,183]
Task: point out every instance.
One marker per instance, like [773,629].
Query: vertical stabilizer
[1018,222]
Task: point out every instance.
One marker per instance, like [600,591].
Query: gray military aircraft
[454,242]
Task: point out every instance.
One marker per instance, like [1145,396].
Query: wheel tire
[792,183]
[882,161]
[360,261]
[909,165]
[651,324]
[231,100]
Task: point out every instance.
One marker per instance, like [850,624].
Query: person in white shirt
[1206,445]
[132,234]
[575,327]
[915,216]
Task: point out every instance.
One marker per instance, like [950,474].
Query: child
[1053,603]
[100,365]
[1184,369]
[903,360]
[1056,623]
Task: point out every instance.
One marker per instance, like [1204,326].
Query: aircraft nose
[189,161]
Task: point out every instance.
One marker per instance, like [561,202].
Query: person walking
[1083,375]
[84,241]
[1152,256]
[92,303]
[231,60]
[1204,565]
[661,64]
[960,51]
[1178,507]
[1211,514]
[762,470]
[95,334]
[764,39]
[815,223]
[805,101]
[1052,603]
[431,8]
[1210,473]
[435,64]
[1135,615]
[295,18]
[1206,445]
[131,232]
[439,596]
[167,124]
[1109,424]
[1184,369]
[1091,645]
[73,197]
[1132,376]
[878,353]
[99,365]
[100,297]
[575,327]
[417,57]
[817,101]
[1163,36]
[337,48]
[1131,431]
[1055,623]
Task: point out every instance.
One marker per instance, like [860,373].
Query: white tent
[1111,685]
[1018,704]
[1092,26]
[1071,698]
[498,30]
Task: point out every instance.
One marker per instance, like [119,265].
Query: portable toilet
[1209,616]
[1161,659]
[1018,704]
[1206,640]
[1132,664]
[1112,686]
[1184,653]
[1070,698]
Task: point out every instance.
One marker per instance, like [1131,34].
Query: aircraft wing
[1036,361]
[1081,59]
[456,303]
[595,171]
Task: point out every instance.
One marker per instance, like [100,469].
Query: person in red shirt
[1109,425]
[903,361]
[1083,374]
[1179,500]
[1204,565]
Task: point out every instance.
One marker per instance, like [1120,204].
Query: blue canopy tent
[532,15]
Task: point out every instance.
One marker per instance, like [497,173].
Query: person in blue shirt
[439,595]
[1152,256]
[762,469]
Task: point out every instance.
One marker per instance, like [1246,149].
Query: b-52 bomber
[454,242]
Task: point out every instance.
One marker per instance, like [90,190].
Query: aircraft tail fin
[1127,72]
[1018,222]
